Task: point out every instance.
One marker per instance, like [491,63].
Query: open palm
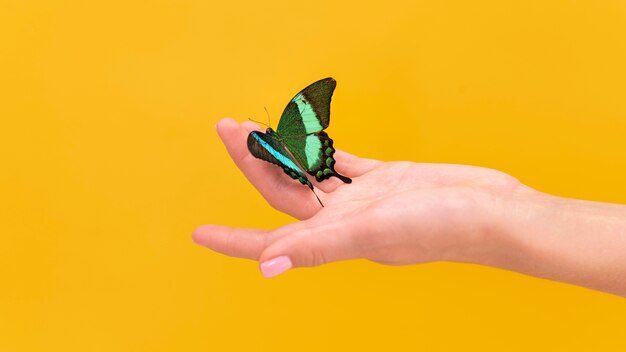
[392,213]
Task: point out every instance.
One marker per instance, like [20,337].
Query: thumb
[309,246]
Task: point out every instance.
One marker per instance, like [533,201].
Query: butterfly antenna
[269,121]
[259,122]
[318,198]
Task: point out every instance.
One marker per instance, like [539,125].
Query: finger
[235,242]
[230,131]
[282,192]
[352,165]
[311,246]
[328,185]
[242,243]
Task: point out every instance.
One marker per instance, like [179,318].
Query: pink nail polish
[276,266]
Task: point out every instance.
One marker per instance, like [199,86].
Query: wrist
[568,240]
[505,221]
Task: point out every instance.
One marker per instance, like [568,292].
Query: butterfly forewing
[266,147]
[309,111]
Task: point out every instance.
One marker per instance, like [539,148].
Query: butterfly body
[299,145]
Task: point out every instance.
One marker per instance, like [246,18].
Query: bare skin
[401,213]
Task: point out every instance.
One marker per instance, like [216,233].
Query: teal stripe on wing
[269,145]
[267,148]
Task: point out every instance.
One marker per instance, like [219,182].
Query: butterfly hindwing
[326,168]
[315,153]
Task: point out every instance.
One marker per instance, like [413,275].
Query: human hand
[393,212]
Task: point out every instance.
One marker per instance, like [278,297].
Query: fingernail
[275,266]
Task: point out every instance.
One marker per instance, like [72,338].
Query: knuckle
[317,257]
[312,254]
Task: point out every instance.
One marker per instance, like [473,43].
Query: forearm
[574,241]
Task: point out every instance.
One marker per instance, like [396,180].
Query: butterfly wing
[301,129]
[266,147]
[309,111]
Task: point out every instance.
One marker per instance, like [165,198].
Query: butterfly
[299,143]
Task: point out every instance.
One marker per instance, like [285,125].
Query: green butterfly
[299,143]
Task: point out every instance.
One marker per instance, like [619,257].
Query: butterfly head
[270,131]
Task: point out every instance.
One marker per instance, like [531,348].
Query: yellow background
[108,161]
